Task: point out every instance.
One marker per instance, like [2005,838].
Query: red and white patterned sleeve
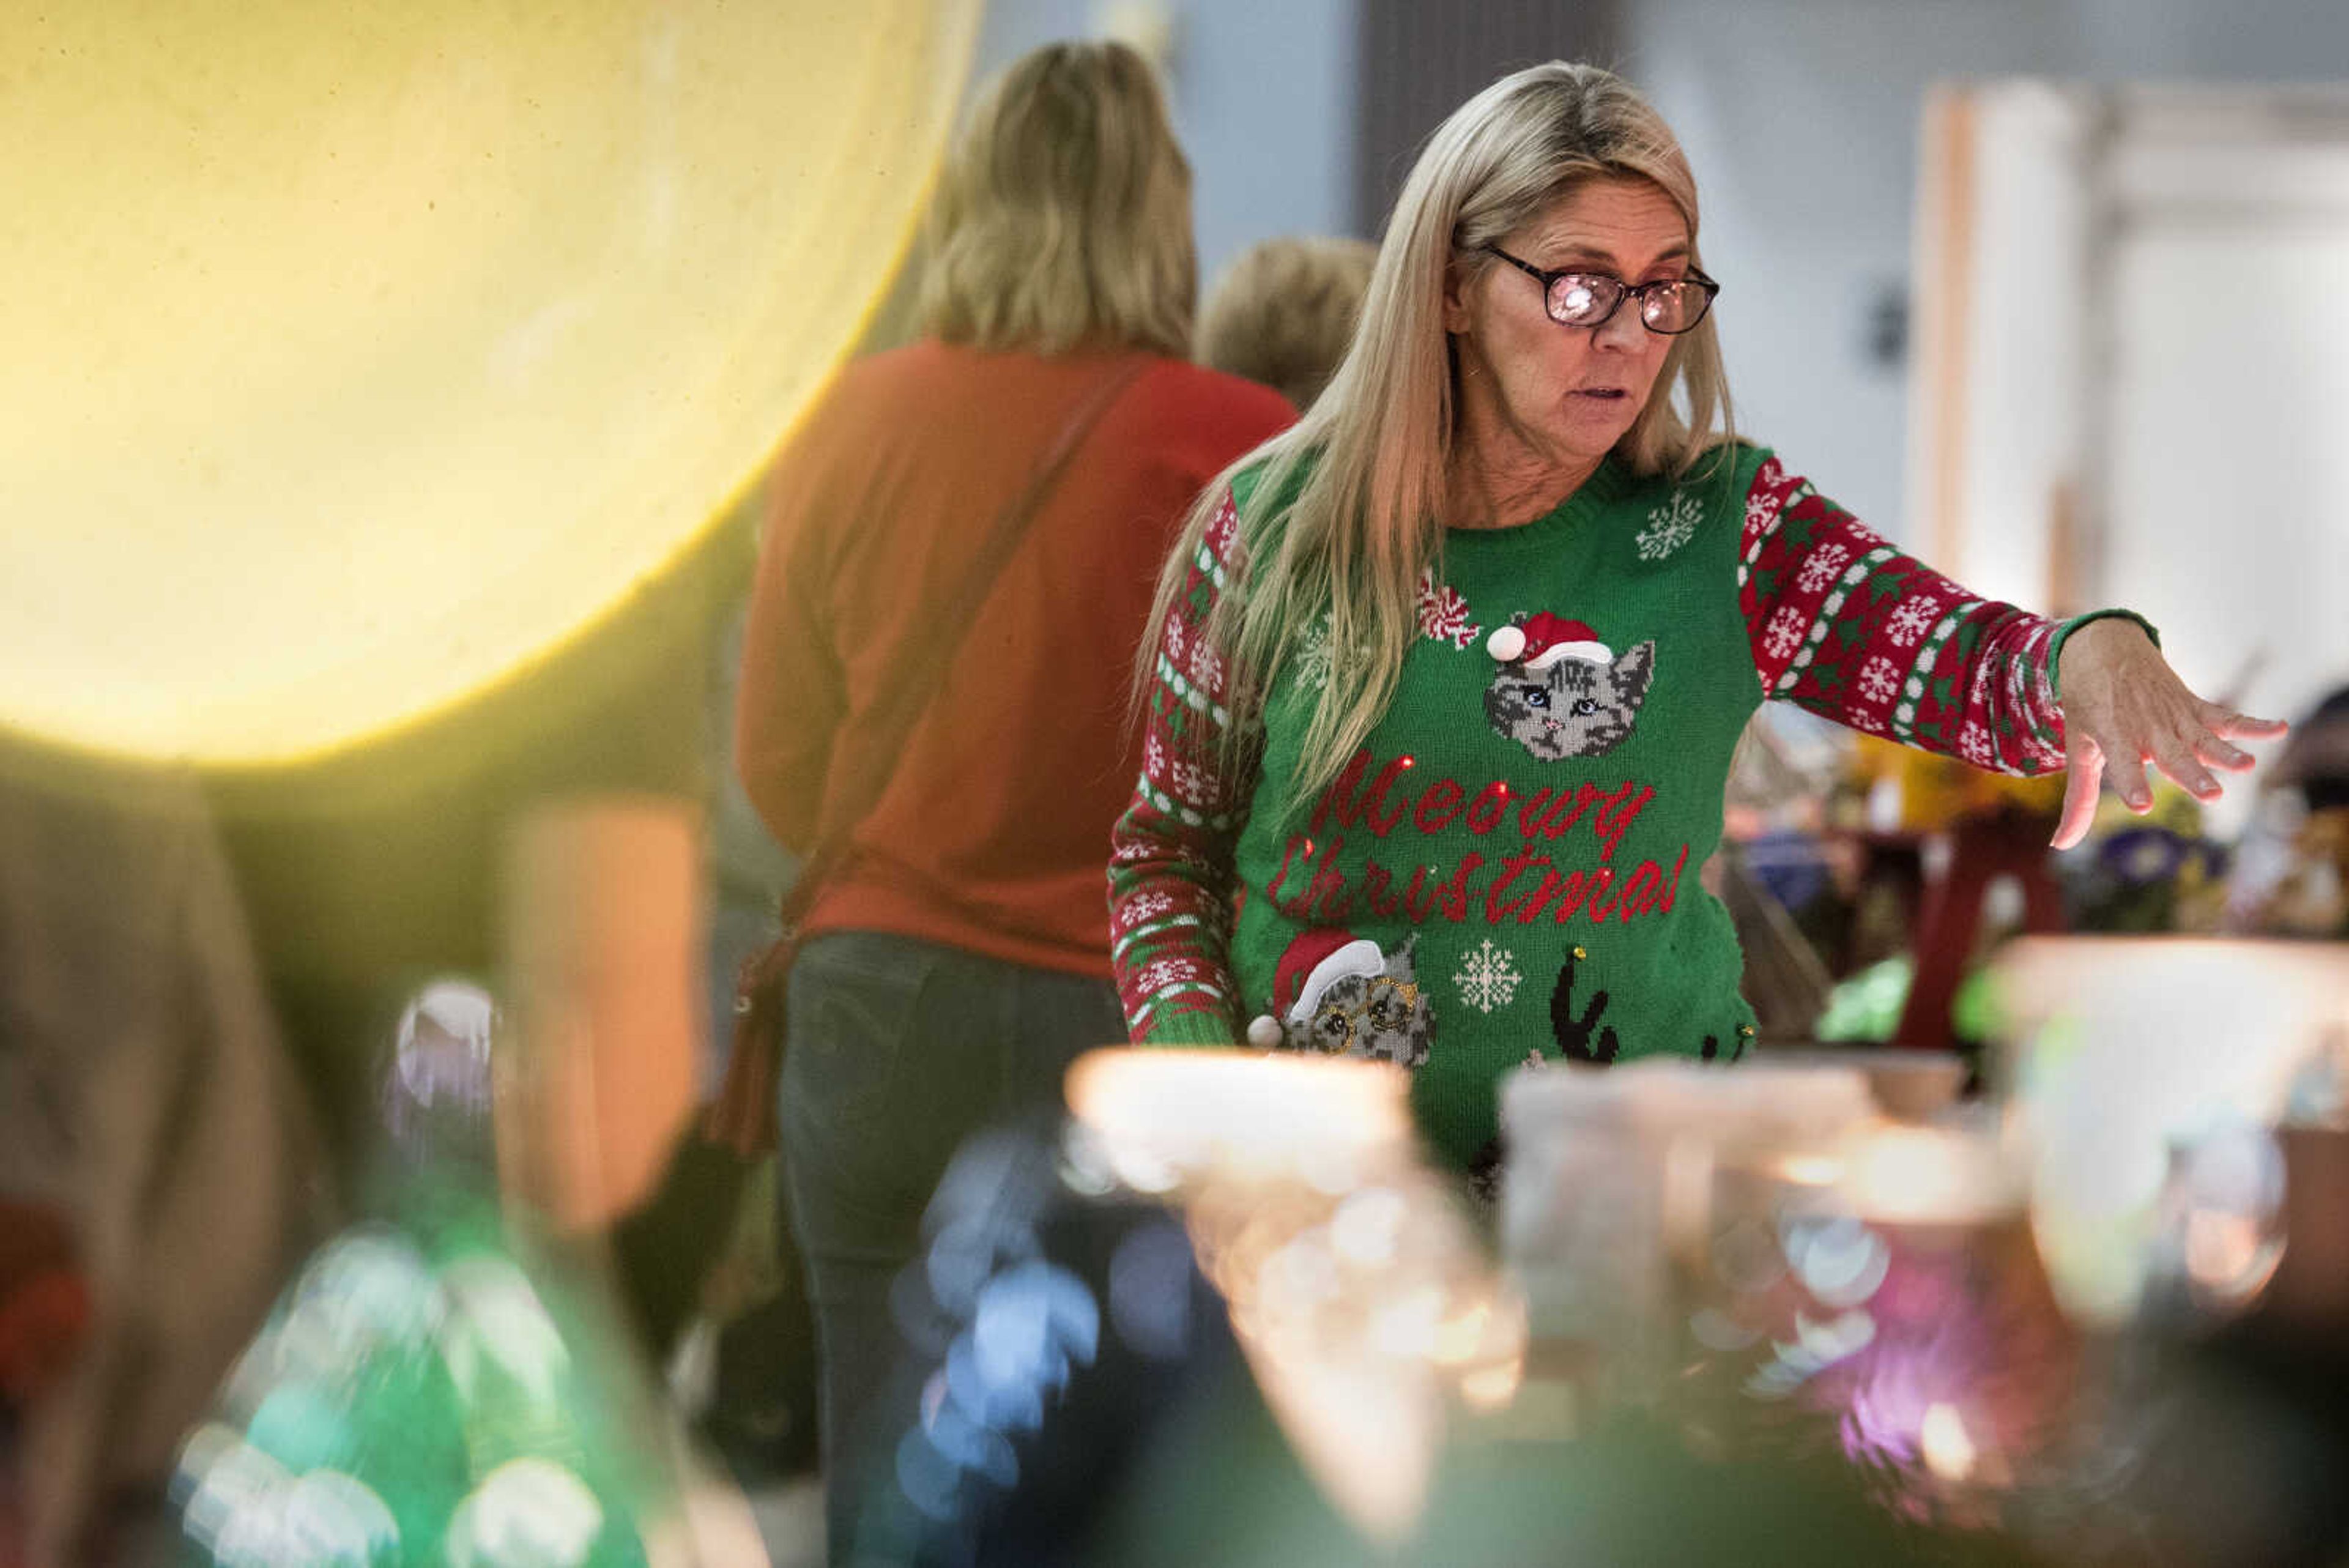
[1843,624]
[1171,873]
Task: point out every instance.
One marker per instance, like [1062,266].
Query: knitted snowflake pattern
[1670,526]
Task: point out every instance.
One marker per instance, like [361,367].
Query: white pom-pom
[1506,643]
[1264,1031]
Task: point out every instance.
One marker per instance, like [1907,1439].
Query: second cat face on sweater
[1575,708]
[1383,1017]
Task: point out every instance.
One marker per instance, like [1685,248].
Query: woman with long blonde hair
[1442,684]
[955,958]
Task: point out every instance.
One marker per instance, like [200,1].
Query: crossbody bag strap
[909,686]
[742,1115]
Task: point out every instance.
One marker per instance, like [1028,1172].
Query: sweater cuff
[2064,631]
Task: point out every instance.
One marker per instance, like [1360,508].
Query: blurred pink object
[604,937]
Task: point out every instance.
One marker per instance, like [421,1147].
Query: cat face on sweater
[1575,708]
[1382,1017]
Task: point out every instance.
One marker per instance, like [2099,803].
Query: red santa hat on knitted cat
[1314,960]
[1541,639]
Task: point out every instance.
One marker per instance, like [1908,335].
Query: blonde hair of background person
[1284,313]
[1063,214]
[1369,514]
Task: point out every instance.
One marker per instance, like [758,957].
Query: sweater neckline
[1605,486]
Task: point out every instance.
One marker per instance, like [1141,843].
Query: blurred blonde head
[1367,513]
[1284,313]
[1063,214]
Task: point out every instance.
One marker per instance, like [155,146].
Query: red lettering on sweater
[1439,806]
[1515,866]
[1295,906]
[1564,811]
[1380,803]
[1491,805]
[1379,890]
[1582,887]
[1615,818]
[1327,891]
[1640,893]
[1673,883]
[1418,898]
[1552,885]
[1455,896]
[1341,800]
[1602,880]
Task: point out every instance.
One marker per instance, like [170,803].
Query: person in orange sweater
[958,959]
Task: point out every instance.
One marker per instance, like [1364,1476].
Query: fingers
[2221,719]
[2177,760]
[2083,769]
[2218,754]
[2126,772]
[2245,727]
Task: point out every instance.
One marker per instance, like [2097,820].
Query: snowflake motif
[1314,657]
[1973,744]
[1207,669]
[1153,756]
[1784,634]
[1147,905]
[1670,526]
[1488,977]
[1190,784]
[1761,509]
[1443,613]
[1157,977]
[1821,568]
[1878,679]
[1222,526]
[1910,621]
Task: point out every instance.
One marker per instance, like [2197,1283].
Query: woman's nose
[1623,330]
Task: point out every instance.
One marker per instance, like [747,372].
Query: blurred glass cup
[1875,1298]
[2119,1051]
[1609,1173]
[1358,1288]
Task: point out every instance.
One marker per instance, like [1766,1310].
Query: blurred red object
[45,1300]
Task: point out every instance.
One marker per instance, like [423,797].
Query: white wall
[1801,118]
[1262,97]
[2227,396]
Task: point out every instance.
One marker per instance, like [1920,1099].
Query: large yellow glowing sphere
[355,356]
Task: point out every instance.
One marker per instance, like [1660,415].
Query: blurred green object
[436,1390]
[1866,1008]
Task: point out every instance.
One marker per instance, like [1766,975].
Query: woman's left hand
[2124,707]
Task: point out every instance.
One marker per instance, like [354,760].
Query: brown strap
[904,697]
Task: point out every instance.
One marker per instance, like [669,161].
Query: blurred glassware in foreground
[451,1379]
[1358,1289]
[1608,1173]
[437,1384]
[2125,1056]
[1877,1294]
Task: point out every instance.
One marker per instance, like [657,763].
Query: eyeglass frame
[1640,291]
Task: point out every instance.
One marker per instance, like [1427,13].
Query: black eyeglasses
[1670,305]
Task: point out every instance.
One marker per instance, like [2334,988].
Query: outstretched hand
[2124,707]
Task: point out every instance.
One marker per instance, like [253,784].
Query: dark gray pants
[898,1050]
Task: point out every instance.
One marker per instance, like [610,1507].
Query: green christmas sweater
[1507,872]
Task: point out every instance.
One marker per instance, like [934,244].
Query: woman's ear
[1455,298]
